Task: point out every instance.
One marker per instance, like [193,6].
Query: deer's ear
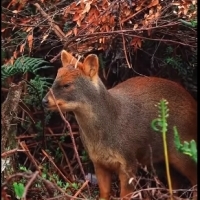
[91,66]
[67,59]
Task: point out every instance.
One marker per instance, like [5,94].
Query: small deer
[115,124]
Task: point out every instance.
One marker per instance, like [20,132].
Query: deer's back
[132,131]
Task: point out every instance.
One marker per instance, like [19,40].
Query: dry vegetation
[144,37]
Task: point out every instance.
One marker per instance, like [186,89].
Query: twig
[66,158]
[133,15]
[72,137]
[79,191]
[55,58]
[10,152]
[27,152]
[125,53]
[9,110]
[52,162]
[34,176]
[24,175]
[51,22]
[29,175]
[152,57]
[125,32]
[124,46]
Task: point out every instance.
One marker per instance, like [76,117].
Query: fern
[160,124]
[36,89]
[188,148]
[23,65]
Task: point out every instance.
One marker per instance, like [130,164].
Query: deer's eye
[66,85]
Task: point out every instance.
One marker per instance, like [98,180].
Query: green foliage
[68,26]
[19,189]
[174,61]
[37,87]
[102,61]
[3,54]
[62,184]
[23,65]
[160,124]
[192,23]
[58,154]
[23,168]
[188,148]
[84,157]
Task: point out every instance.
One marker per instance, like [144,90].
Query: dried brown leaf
[107,28]
[138,8]
[87,8]
[126,11]
[30,41]
[15,11]
[25,21]
[135,26]
[149,32]
[44,38]
[3,29]
[75,30]
[104,18]
[21,49]
[68,33]
[78,22]
[92,30]
[76,17]
[13,3]
[15,53]
[136,42]
[153,3]
[29,29]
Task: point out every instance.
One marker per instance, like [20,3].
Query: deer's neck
[97,117]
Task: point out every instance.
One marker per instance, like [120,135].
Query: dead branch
[34,176]
[9,111]
[53,163]
[51,22]
[72,137]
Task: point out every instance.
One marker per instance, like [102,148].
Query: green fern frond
[37,88]
[160,123]
[23,65]
[188,148]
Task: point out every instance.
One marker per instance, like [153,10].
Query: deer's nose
[45,102]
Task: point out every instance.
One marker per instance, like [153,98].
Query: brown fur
[115,124]
[65,75]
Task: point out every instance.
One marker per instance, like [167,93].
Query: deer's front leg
[104,181]
[125,187]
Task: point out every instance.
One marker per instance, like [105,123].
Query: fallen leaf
[153,3]
[149,32]
[135,26]
[75,30]
[15,54]
[68,33]
[21,49]
[87,8]
[15,11]
[3,29]
[29,29]
[44,38]
[30,41]
[138,8]
[79,22]
[136,42]
[76,17]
